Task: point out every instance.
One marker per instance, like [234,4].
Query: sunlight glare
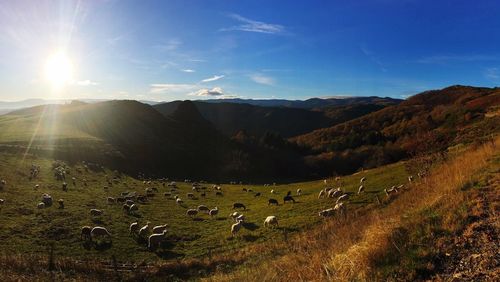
[58,70]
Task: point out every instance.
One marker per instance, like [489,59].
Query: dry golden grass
[352,250]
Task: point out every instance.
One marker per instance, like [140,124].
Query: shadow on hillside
[102,246]
[198,219]
[250,237]
[221,218]
[250,226]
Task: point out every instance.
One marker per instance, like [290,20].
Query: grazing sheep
[299,192]
[61,203]
[361,189]
[47,200]
[144,230]
[288,199]
[2,201]
[363,179]
[203,208]
[325,181]
[100,232]
[213,212]
[321,194]
[240,218]
[65,186]
[41,205]
[190,195]
[160,228]
[334,193]
[96,212]
[340,208]
[328,189]
[236,227]
[239,205]
[342,198]
[272,202]
[179,201]
[191,212]
[271,221]
[390,191]
[85,233]
[272,192]
[129,202]
[257,194]
[410,178]
[155,240]
[133,208]
[36,187]
[327,213]
[134,227]
[111,200]
[234,215]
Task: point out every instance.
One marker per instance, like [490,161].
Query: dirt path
[475,254]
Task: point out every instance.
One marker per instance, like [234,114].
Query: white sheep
[2,201]
[134,226]
[213,212]
[179,201]
[96,212]
[234,215]
[236,227]
[410,178]
[191,212]
[156,239]
[133,208]
[240,218]
[321,194]
[272,191]
[144,230]
[334,193]
[271,221]
[340,208]
[299,192]
[363,179]
[159,228]
[41,205]
[203,208]
[99,231]
[327,212]
[361,189]
[342,198]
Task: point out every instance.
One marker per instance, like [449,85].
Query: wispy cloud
[254,26]
[188,70]
[445,59]
[492,73]
[86,83]
[171,87]
[262,79]
[170,45]
[373,57]
[213,78]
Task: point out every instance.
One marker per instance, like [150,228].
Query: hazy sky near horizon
[170,50]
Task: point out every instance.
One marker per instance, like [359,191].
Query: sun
[58,70]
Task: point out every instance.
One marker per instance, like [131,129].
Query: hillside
[426,122]
[230,118]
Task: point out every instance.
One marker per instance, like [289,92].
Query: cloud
[254,26]
[171,87]
[262,79]
[86,83]
[216,91]
[188,70]
[213,78]
[492,73]
[170,45]
[444,59]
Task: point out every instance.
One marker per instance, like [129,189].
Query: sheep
[190,195]
[363,179]
[334,193]
[41,205]
[156,239]
[129,202]
[289,193]
[134,227]
[299,192]
[240,218]
[47,200]
[271,221]
[96,212]
[272,191]
[120,200]
[390,191]
[288,199]
[133,208]
[272,202]
[160,228]
[257,194]
[2,201]
[361,189]
[191,212]
[340,208]
[100,232]
[410,178]
[321,194]
[239,205]
[213,212]
[111,200]
[341,198]
[234,215]
[236,227]
[65,186]
[144,230]
[327,213]
[179,201]
[36,186]
[325,181]
[85,233]
[203,208]
[61,203]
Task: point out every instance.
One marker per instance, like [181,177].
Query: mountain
[310,103]
[427,122]
[230,118]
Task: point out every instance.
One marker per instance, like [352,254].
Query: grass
[28,230]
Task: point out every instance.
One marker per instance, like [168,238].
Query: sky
[177,50]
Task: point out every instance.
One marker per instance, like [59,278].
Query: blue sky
[169,50]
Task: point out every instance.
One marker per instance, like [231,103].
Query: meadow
[28,230]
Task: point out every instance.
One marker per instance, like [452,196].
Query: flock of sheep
[131,202]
